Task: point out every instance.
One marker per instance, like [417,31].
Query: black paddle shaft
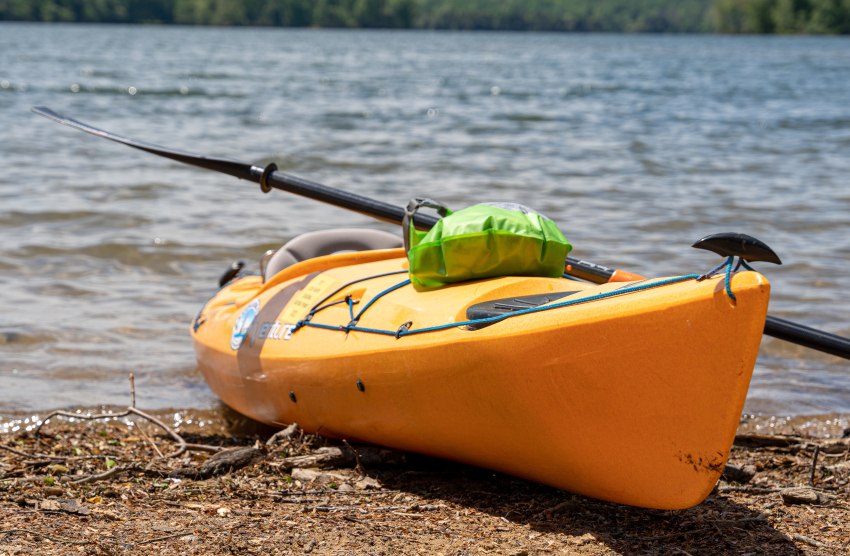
[344,199]
[269,177]
[813,338]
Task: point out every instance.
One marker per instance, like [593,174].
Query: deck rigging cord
[406,328]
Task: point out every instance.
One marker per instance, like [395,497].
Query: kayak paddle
[269,178]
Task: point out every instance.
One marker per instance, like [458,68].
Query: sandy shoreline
[106,487]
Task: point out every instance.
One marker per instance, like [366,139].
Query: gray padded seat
[326,242]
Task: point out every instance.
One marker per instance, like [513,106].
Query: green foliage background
[653,16]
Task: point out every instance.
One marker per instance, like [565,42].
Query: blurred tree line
[280,13]
[660,16]
[782,16]
[680,16]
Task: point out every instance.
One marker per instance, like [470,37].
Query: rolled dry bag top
[482,241]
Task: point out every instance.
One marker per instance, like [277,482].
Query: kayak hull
[633,398]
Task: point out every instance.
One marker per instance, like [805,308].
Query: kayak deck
[629,397]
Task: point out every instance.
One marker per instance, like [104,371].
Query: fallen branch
[711,525]
[332,456]
[16,452]
[105,475]
[182,445]
[814,467]
[358,465]
[748,489]
[323,457]
[47,459]
[807,540]
[766,441]
[165,538]
[222,462]
[46,536]
[283,435]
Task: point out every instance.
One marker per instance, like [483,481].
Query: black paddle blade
[731,244]
[230,167]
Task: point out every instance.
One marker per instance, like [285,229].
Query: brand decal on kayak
[272,331]
[247,327]
[243,324]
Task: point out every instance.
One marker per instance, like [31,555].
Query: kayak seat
[327,242]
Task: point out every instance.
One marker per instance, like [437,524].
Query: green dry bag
[482,241]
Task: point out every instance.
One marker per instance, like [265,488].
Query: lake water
[636,145]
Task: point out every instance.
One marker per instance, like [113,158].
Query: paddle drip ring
[264,178]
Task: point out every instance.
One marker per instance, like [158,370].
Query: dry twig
[46,536]
[358,467]
[105,475]
[16,452]
[166,537]
[283,435]
[807,540]
[182,445]
[814,465]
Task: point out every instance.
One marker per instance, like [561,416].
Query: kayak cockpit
[326,242]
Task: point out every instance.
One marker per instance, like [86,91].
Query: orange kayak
[629,392]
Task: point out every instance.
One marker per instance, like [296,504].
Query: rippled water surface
[636,145]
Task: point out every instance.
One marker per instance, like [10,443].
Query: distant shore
[612,16]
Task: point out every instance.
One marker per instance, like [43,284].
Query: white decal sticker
[243,324]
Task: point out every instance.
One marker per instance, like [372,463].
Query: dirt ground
[114,486]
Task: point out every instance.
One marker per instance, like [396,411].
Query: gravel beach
[210,482]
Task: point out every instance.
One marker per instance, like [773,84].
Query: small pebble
[802,495]
[367,483]
[742,475]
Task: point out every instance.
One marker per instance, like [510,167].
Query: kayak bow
[628,392]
